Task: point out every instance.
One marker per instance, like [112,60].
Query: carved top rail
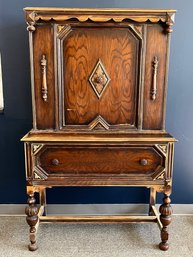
[34,15]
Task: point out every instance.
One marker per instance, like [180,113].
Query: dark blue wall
[16,120]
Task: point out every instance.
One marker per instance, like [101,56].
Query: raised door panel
[155,78]
[44,80]
[100,70]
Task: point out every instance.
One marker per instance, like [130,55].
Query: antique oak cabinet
[99,83]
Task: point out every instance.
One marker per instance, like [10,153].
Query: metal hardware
[55,162]
[44,79]
[154,84]
[143,162]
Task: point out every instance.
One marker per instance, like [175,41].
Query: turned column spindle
[165,218]
[32,219]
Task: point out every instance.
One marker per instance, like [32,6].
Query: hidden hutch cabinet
[99,83]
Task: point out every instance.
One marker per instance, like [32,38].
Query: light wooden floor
[84,240]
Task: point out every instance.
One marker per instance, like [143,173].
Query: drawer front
[95,161]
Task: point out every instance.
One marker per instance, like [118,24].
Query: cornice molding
[98,15]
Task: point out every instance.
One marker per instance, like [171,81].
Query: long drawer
[61,161]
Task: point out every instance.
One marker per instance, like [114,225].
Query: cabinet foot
[163,246]
[32,247]
[165,218]
[32,220]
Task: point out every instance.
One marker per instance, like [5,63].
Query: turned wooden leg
[165,218]
[32,219]
[152,200]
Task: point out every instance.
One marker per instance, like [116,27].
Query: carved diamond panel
[99,79]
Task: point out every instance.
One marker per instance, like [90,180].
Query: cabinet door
[155,78]
[99,70]
[43,80]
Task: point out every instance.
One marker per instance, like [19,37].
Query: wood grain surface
[118,50]
[156,46]
[43,45]
[98,160]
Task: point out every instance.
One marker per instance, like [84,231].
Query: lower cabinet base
[37,215]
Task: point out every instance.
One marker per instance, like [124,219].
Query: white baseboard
[93,209]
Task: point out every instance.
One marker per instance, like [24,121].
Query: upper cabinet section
[99,69]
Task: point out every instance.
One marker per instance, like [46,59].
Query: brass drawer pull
[143,162]
[55,162]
